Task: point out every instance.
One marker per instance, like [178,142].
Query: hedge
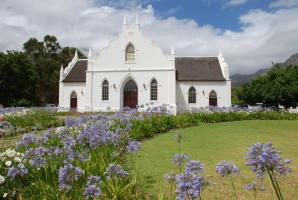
[158,124]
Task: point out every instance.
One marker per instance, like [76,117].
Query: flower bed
[80,161]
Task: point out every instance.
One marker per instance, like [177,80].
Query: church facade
[134,72]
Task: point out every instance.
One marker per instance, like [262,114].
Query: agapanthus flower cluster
[19,170]
[263,156]
[114,170]
[225,168]
[92,188]
[68,174]
[190,183]
[28,139]
[179,159]
[97,134]
[133,146]
[194,167]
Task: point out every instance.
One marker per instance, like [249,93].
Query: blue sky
[208,12]
[250,33]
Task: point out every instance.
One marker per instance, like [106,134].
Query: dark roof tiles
[78,72]
[187,69]
[198,69]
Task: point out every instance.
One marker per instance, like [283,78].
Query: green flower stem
[275,195]
[234,189]
[277,186]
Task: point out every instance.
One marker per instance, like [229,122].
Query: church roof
[198,69]
[77,73]
[187,69]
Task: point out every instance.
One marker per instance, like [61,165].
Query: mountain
[239,79]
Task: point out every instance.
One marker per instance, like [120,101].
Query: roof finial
[220,53]
[76,54]
[124,20]
[137,18]
[172,51]
[89,53]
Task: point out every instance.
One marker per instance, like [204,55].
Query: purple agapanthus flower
[38,162]
[225,168]
[114,170]
[92,191]
[179,159]
[188,185]
[133,146]
[19,170]
[27,139]
[92,188]
[68,175]
[194,167]
[263,156]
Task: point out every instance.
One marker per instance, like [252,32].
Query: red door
[212,101]
[73,103]
[130,99]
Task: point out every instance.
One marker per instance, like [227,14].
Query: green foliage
[48,56]
[279,86]
[18,79]
[38,119]
[158,124]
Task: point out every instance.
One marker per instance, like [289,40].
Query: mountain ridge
[239,79]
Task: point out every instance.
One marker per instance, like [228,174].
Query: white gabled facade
[118,67]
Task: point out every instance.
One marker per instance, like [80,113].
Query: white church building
[134,72]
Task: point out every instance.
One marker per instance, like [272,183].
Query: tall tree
[48,56]
[18,79]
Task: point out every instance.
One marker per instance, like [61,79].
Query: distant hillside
[239,79]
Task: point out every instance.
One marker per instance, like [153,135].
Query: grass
[211,143]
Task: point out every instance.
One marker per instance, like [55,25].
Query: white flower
[2,179]
[5,195]
[8,163]
[18,159]
[10,153]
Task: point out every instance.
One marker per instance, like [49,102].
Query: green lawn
[211,143]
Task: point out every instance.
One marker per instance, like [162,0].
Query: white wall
[203,88]
[147,54]
[165,80]
[66,91]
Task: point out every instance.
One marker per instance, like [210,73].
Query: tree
[278,87]
[48,56]
[18,79]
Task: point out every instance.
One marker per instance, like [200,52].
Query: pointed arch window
[105,90]
[153,90]
[192,95]
[130,53]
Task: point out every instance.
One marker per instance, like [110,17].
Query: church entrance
[73,100]
[130,94]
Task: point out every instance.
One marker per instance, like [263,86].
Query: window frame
[105,93]
[192,95]
[153,90]
[130,53]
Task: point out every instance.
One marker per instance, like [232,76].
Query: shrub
[34,119]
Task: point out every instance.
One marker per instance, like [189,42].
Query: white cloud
[235,2]
[265,37]
[283,3]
